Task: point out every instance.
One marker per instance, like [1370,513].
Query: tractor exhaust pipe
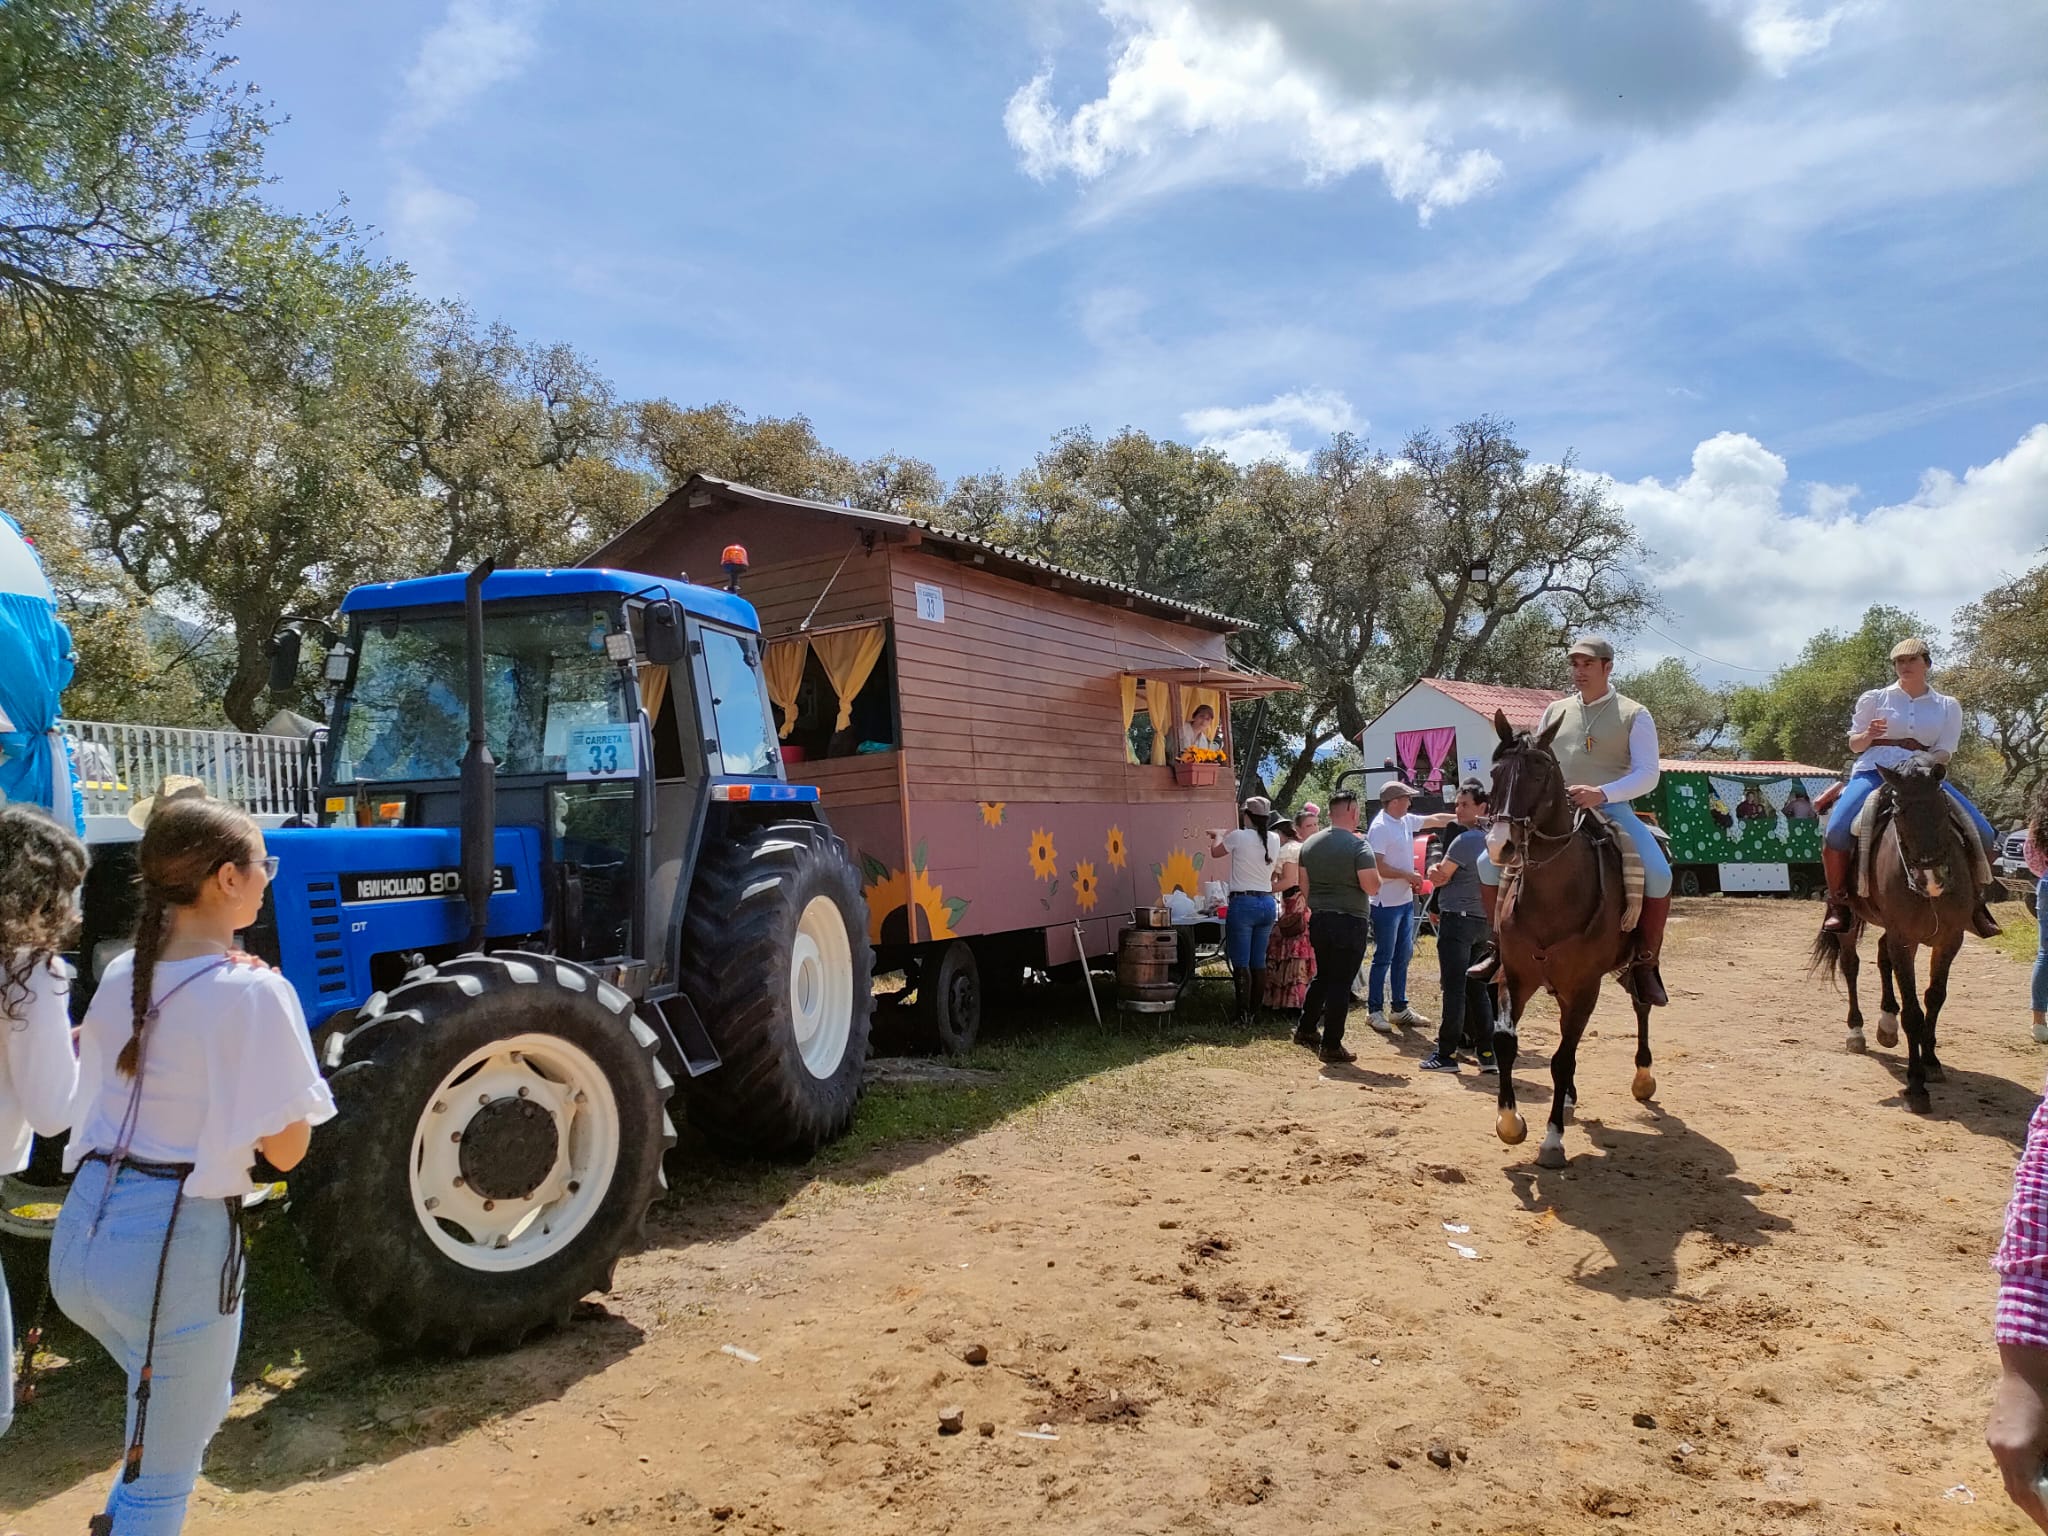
[479,770]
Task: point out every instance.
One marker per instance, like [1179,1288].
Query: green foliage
[2002,680]
[1691,717]
[1802,713]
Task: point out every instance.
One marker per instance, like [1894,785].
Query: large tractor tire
[776,960]
[501,1129]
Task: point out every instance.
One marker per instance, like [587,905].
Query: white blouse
[1252,862]
[226,1063]
[38,1073]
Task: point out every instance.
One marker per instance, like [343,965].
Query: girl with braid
[41,869]
[189,1065]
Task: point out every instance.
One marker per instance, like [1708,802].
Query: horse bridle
[1524,827]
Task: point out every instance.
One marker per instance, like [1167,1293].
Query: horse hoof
[1856,1043]
[1644,1086]
[1887,1030]
[1548,1156]
[1512,1128]
[1936,1073]
[1918,1102]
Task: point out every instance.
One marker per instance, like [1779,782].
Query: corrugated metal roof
[1523,706]
[1098,587]
[1748,768]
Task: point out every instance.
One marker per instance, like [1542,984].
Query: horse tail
[1827,955]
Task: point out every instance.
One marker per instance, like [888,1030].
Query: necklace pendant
[1589,741]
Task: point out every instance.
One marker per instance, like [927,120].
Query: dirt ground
[1218,1286]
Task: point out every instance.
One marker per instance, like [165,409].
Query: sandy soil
[1223,1279]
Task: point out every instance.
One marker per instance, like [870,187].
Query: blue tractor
[553,869]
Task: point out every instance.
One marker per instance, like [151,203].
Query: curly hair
[2037,817]
[41,865]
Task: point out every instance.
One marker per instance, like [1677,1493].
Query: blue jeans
[1247,927]
[1656,867]
[2041,954]
[103,1277]
[1393,941]
[1842,820]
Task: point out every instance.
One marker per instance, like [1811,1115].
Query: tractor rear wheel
[502,1123]
[776,960]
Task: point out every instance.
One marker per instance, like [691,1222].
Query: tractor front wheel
[502,1122]
[776,960]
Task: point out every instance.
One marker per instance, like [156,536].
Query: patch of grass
[2022,937]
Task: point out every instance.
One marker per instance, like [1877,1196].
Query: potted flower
[1197,766]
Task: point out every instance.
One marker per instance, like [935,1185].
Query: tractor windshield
[545,673]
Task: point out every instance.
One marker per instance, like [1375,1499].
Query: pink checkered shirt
[2022,1261]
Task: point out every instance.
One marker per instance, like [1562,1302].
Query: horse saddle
[1619,860]
[1868,828]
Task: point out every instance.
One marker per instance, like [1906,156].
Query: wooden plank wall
[1016,695]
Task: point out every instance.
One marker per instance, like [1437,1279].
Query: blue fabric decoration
[36,663]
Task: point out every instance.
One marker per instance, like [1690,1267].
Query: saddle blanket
[1866,822]
[1631,876]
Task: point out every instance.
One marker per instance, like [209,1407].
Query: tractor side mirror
[284,661]
[662,627]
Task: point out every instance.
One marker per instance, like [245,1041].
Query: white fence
[120,764]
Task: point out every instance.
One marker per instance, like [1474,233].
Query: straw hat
[175,786]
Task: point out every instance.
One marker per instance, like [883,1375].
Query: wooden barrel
[1144,965]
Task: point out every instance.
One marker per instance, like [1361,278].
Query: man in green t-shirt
[1341,874]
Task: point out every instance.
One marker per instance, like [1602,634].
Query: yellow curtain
[849,657]
[653,689]
[1159,705]
[1130,690]
[783,664]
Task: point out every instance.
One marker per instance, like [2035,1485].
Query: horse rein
[1526,833]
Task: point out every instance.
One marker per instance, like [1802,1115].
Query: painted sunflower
[1182,872]
[1045,860]
[992,812]
[920,903]
[1085,888]
[1116,848]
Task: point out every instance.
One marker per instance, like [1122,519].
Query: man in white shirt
[1392,839]
[1888,726]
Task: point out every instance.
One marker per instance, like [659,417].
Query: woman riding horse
[1890,725]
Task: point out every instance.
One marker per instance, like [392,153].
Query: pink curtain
[1424,755]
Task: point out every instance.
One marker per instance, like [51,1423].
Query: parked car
[2012,853]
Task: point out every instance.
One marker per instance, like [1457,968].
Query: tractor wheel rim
[465,1223]
[821,987]
[28,1210]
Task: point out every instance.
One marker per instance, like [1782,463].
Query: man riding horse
[1890,725]
[1606,744]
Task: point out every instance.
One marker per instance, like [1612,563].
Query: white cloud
[1315,91]
[1748,580]
[479,44]
[425,220]
[1251,434]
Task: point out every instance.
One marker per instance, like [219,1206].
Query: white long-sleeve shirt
[38,1072]
[1643,770]
[1934,720]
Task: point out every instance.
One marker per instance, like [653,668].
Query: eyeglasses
[269,863]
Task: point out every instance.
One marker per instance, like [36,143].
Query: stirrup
[1839,919]
[1645,981]
[1487,966]
[1983,924]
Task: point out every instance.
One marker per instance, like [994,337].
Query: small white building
[1441,732]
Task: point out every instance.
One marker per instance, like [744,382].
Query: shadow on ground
[1626,1193]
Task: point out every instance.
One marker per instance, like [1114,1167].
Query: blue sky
[1772,265]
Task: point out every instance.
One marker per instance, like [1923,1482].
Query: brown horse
[1561,931]
[1925,894]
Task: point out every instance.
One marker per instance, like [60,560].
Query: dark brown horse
[1925,892]
[1561,928]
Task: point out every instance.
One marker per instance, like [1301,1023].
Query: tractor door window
[739,704]
[594,834]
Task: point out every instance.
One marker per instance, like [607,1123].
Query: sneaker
[1378,1020]
[1488,1067]
[1437,1061]
[2041,1034]
[1408,1018]
[1336,1055]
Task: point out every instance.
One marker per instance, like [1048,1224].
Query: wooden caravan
[1006,744]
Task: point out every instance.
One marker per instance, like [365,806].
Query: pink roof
[1523,706]
[1748,768]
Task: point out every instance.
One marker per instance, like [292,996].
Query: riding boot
[1649,944]
[1982,923]
[1488,963]
[1837,864]
[1240,985]
[1257,1002]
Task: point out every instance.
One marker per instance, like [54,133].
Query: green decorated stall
[1741,827]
